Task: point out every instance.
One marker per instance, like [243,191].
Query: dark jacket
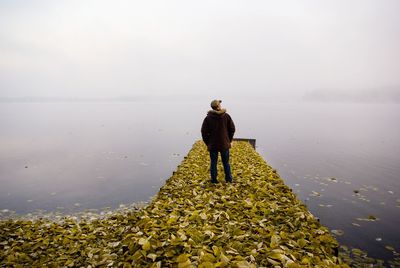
[217,130]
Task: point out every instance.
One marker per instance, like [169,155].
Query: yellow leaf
[186,264]
[224,258]
[305,260]
[277,256]
[146,246]
[182,258]
[142,241]
[208,258]
[152,256]
[206,265]
[244,264]
[156,265]
[271,261]
[292,264]
[216,251]
[127,265]
[274,241]
[301,242]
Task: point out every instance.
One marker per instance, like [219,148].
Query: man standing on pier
[217,133]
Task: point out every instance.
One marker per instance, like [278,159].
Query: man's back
[217,130]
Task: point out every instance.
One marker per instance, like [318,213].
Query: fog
[263,49]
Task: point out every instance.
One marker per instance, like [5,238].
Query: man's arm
[205,133]
[231,129]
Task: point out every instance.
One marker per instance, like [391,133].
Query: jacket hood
[216,113]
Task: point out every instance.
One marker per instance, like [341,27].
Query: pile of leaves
[255,221]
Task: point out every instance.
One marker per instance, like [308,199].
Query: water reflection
[92,154]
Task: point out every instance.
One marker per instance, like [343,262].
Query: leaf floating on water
[337,232]
[327,206]
[374,188]
[390,248]
[314,193]
[370,218]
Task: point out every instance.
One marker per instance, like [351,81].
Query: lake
[342,160]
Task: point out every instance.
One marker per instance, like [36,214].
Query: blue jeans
[225,163]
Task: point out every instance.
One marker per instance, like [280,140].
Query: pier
[256,221]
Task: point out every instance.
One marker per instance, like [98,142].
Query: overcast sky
[124,48]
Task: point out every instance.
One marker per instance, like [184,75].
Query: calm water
[342,160]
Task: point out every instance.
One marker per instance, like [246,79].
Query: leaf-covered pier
[255,222]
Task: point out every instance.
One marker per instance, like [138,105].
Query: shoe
[214,181]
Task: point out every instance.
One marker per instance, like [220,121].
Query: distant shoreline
[317,96]
[384,95]
[39,99]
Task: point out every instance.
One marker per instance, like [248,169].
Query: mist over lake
[341,159]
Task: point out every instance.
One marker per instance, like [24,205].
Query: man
[217,133]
